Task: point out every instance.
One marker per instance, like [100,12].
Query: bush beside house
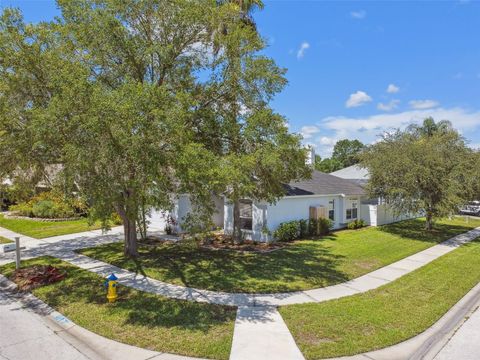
[298,229]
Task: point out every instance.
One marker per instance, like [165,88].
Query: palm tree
[429,127]
[247,7]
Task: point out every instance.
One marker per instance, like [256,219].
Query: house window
[246,214]
[331,210]
[352,213]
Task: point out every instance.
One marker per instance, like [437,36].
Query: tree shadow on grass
[232,271]
[132,307]
[415,229]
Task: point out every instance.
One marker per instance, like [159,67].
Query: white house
[339,197]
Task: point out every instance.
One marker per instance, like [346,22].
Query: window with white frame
[246,214]
[331,210]
[352,209]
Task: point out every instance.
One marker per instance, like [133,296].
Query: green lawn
[387,315]
[4,240]
[44,229]
[137,318]
[303,265]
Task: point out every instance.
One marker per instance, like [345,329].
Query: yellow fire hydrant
[111,285]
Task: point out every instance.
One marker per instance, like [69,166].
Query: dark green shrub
[287,231]
[356,224]
[318,227]
[303,228]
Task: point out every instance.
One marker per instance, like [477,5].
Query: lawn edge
[427,344]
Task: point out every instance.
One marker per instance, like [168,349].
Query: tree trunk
[237,231]
[429,222]
[130,248]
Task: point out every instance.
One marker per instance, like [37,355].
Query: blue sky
[356,68]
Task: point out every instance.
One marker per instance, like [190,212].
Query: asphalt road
[25,335]
[465,343]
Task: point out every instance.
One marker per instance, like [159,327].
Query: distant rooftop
[353,172]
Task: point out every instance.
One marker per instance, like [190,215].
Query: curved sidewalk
[359,285]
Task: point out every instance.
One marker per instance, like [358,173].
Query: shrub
[287,231]
[318,227]
[51,210]
[51,205]
[303,225]
[356,224]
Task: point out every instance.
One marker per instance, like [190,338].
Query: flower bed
[10,215]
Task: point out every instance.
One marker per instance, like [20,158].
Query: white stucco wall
[298,208]
[183,206]
[270,216]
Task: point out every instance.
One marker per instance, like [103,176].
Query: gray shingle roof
[323,184]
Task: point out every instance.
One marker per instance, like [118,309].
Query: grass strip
[44,229]
[387,315]
[141,319]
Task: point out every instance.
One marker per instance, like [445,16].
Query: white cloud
[423,104]
[393,104]
[325,140]
[301,51]
[308,131]
[360,14]
[357,99]
[369,128]
[392,89]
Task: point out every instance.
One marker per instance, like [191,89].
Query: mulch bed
[34,276]
[223,242]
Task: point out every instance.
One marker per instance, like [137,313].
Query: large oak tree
[143,100]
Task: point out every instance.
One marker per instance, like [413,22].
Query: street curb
[426,345]
[91,345]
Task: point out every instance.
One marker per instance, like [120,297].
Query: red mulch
[34,276]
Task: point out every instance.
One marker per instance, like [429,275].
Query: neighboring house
[354,173]
[375,212]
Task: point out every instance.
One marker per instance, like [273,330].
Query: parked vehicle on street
[471,208]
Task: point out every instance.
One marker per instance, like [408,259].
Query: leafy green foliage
[111,92]
[51,205]
[356,224]
[345,153]
[425,169]
[298,229]
[319,227]
[287,231]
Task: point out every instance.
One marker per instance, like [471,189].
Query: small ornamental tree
[424,169]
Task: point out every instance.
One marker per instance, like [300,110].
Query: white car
[471,208]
